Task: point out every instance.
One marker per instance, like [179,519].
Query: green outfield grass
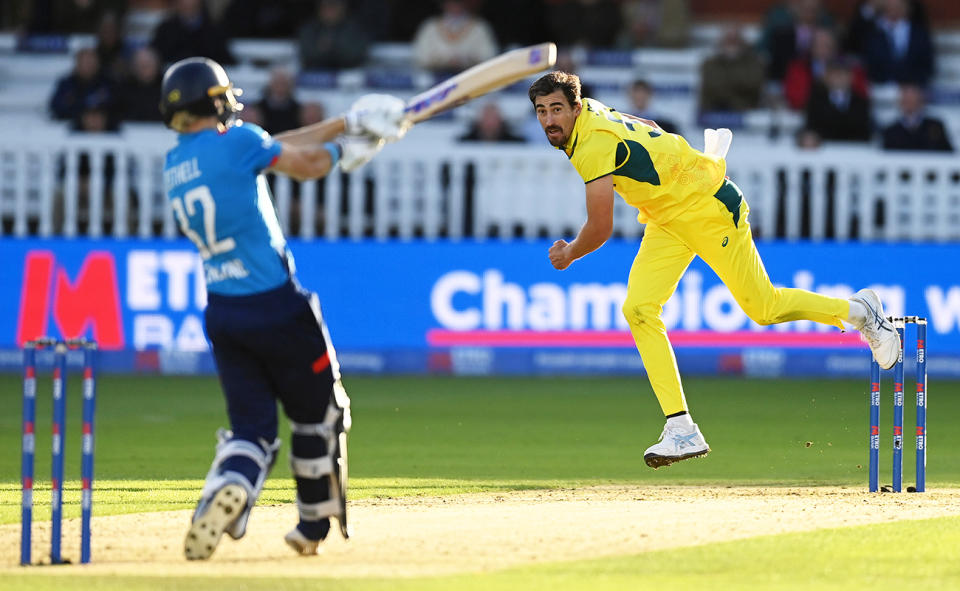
[428,436]
[525,430]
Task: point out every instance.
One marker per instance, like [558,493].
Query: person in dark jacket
[835,111]
[279,109]
[332,40]
[83,86]
[140,90]
[732,78]
[490,127]
[915,130]
[898,49]
[190,32]
[865,17]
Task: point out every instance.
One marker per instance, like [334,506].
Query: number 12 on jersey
[185,208]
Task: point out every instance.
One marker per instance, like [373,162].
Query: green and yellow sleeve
[595,156]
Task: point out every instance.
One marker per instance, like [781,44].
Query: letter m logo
[86,306]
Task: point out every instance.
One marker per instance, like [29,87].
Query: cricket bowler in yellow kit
[690,209]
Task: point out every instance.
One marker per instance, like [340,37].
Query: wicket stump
[899,324]
[58,432]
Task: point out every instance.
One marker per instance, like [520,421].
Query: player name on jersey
[182,173]
[231,269]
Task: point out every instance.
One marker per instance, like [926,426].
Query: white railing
[850,193]
[110,186]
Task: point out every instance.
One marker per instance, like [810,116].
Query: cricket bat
[482,78]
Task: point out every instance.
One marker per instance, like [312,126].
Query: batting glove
[381,115]
[357,150]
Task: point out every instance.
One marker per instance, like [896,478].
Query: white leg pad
[262,454]
[317,511]
[314,468]
[333,431]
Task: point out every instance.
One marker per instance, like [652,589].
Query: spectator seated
[453,41]
[731,79]
[490,126]
[84,86]
[803,72]
[279,110]
[914,129]
[138,91]
[189,31]
[898,49]
[332,40]
[835,110]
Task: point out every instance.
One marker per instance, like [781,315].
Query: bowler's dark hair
[554,81]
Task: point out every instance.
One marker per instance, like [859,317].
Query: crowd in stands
[806,59]
[825,69]
[732,78]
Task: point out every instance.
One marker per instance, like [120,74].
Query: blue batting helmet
[199,86]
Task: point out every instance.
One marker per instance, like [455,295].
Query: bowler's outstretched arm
[595,231]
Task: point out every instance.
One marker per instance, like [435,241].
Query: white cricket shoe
[676,443]
[212,519]
[877,330]
[303,545]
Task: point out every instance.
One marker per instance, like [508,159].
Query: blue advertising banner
[477,307]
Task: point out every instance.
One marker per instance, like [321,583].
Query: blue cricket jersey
[221,200]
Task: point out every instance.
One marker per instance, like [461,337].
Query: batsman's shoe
[211,519]
[676,444]
[877,330]
[303,545]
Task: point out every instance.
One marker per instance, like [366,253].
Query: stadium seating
[27,79]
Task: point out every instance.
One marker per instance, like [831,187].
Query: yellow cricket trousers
[715,229]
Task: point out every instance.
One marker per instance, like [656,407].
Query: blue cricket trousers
[271,347]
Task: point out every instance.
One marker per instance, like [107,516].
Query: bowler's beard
[557,140]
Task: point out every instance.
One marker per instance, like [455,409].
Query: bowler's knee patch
[639,314]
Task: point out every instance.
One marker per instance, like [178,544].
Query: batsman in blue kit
[267,333]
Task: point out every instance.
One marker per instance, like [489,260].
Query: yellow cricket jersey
[654,171]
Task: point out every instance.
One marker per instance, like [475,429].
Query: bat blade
[482,78]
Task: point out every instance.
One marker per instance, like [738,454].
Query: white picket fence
[69,185]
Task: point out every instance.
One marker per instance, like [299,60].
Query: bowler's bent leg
[718,230]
